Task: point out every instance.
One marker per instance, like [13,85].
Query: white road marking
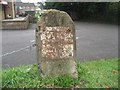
[77,37]
[6,54]
[32,41]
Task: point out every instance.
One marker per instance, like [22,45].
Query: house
[24,7]
[8,16]
[2,13]
[7,9]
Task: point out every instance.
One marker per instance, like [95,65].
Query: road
[94,41]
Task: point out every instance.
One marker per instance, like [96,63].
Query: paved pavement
[94,41]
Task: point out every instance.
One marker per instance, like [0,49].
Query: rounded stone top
[54,17]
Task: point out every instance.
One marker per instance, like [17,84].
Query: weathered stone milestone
[56,44]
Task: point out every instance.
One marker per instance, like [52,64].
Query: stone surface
[56,44]
[15,24]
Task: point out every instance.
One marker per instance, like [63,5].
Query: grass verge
[92,74]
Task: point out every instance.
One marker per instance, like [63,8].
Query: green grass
[101,74]
[92,74]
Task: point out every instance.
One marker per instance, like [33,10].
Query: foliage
[105,11]
[93,74]
[37,15]
[41,5]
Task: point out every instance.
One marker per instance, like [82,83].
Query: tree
[107,11]
[40,4]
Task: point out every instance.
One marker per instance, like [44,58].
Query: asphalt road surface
[94,41]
